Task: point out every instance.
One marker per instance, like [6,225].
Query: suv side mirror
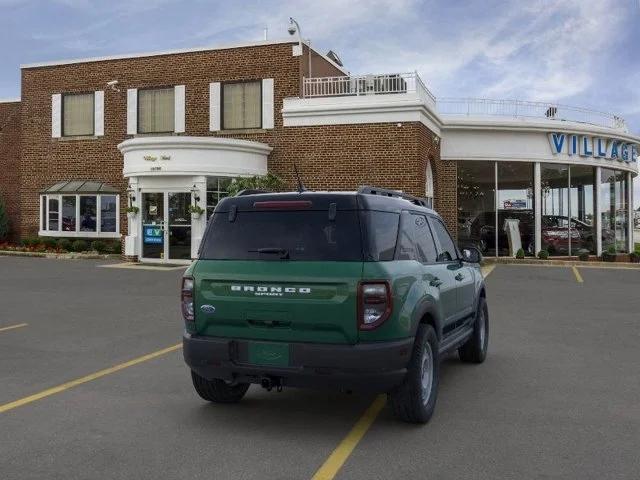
[471,255]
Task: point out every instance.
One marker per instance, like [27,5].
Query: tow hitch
[269,383]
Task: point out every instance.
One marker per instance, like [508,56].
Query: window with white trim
[242,105]
[216,190]
[79,215]
[78,117]
[156,110]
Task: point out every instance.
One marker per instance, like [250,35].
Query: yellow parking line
[79,381]
[335,461]
[577,274]
[11,327]
[486,270]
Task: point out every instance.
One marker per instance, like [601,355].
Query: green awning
[81,186]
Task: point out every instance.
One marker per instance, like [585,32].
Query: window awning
[81,186]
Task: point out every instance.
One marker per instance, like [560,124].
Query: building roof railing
[403,83]
[525,109]
[360,85]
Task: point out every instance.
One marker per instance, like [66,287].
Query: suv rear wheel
[415,400]
[217,390]
[475,349]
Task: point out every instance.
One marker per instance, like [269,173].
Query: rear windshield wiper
[283,252]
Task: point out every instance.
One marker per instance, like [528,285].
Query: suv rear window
[274,235]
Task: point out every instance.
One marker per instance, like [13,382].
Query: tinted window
[448,249]
[303,235]
[415,242]
[381,233]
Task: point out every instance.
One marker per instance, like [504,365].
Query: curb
[61,256]
[561,263]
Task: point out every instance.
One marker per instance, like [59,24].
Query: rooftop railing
[525,109]
[393,83]
[402,83]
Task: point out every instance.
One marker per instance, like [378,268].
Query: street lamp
[294,28]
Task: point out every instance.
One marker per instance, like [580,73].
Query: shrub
[4,220]
[99,246]
[543,254]
[583,255]
[30,242]
[268,182]
[635,257]
[48,242]
[79,246]
[64,244]
[115,247]
[520,253]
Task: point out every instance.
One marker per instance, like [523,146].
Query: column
[598,212]
[630,211]
[131,241]
[537,209]
[198,225]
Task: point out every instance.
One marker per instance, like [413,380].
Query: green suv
[357,290]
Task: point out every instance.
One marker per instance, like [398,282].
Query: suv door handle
[435,282]
[459,277]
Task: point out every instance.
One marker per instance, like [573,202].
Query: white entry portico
[167,175]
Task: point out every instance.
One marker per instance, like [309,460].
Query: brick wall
[337,157]
[9,163]
[46,160]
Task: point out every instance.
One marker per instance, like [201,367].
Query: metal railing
[393,83]
[525,109]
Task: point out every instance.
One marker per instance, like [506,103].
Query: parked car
[354,290]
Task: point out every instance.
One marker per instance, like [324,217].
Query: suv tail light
[186,299]
[374,304]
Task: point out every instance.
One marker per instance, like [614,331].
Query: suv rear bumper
[376,366]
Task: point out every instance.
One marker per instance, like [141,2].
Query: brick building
[164,131]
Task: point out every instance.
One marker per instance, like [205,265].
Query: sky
[577,52]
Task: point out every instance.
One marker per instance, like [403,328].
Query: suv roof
[366,198]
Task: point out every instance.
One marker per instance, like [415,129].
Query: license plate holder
[268,353]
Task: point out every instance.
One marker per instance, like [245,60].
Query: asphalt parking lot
[558,396]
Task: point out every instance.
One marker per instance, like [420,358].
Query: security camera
[291,29]
[112,85]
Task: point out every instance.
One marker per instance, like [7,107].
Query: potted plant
[132,211]
[520,254]
[196,211]
[543,254]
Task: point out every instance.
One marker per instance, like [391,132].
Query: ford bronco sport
[354,290]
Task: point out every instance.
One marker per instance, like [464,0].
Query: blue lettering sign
[557,142]
[614,150]
[153,235]
[573,145]
[624,152]
[601,150]
[586,147]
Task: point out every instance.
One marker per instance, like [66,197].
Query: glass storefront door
[166,226]
[179,226]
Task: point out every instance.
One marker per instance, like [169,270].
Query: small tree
[268,182]
[4,220]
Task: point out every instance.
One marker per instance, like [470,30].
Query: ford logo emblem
[208,308]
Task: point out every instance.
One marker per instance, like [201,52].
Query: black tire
[412,402]
[475,349]
[217,390]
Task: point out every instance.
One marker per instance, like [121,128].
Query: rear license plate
[263,353]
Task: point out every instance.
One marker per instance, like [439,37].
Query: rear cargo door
[280,301]
[280,270]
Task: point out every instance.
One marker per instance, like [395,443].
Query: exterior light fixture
[132,194]
[294,27]
[196,193]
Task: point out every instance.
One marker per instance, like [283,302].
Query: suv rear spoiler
[368,190]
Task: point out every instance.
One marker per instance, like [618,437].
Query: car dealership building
[158,133]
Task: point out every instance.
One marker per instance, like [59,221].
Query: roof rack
[250,191]
[368,190]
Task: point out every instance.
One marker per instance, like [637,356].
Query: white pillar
[198,225]
[131,241]
[598,212]
[630,211]
[537,209]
